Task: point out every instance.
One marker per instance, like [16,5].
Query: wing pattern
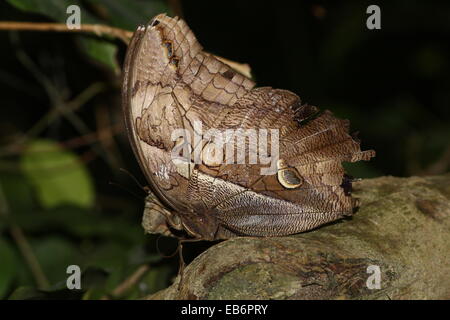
[170,83]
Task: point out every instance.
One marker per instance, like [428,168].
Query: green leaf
[100,50]
[93,277]
[57,175]
[18,195]
[55,254]
[93,282]
[81,223]
[30,293]
[129,14]
[24,293]
[18,191]
[108,256]
[7,267]
[55,9]
[156,279]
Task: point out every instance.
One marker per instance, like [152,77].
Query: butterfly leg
[182,264]
[157,218]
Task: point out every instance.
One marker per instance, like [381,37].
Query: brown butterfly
[247,162]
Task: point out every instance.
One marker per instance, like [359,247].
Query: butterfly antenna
[125,189]
[179,250]
[134,179]
[182,264]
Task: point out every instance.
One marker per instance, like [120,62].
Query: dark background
[393,84]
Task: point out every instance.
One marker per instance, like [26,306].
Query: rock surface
[402,227]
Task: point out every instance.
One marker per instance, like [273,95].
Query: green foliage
[101,51]
[123,14]
[129,14]
[7,266]
[57,175]
[49,8]
[392,84]
[52,195]
[98,49]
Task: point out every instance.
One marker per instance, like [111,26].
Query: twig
[106,133]
[29,256]
[129,282]
[52,115]
[97,29]
[97,136]
[23,245]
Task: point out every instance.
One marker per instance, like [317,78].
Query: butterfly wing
[132,91]
[312,145]
[171,83]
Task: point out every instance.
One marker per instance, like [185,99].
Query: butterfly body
[220,191]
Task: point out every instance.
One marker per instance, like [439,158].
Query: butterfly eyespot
[288,177]
[168,46]
[212,156]
[184,167]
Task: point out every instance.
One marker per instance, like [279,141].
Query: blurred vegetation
[64,199]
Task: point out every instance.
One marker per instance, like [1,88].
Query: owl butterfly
[171,84]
